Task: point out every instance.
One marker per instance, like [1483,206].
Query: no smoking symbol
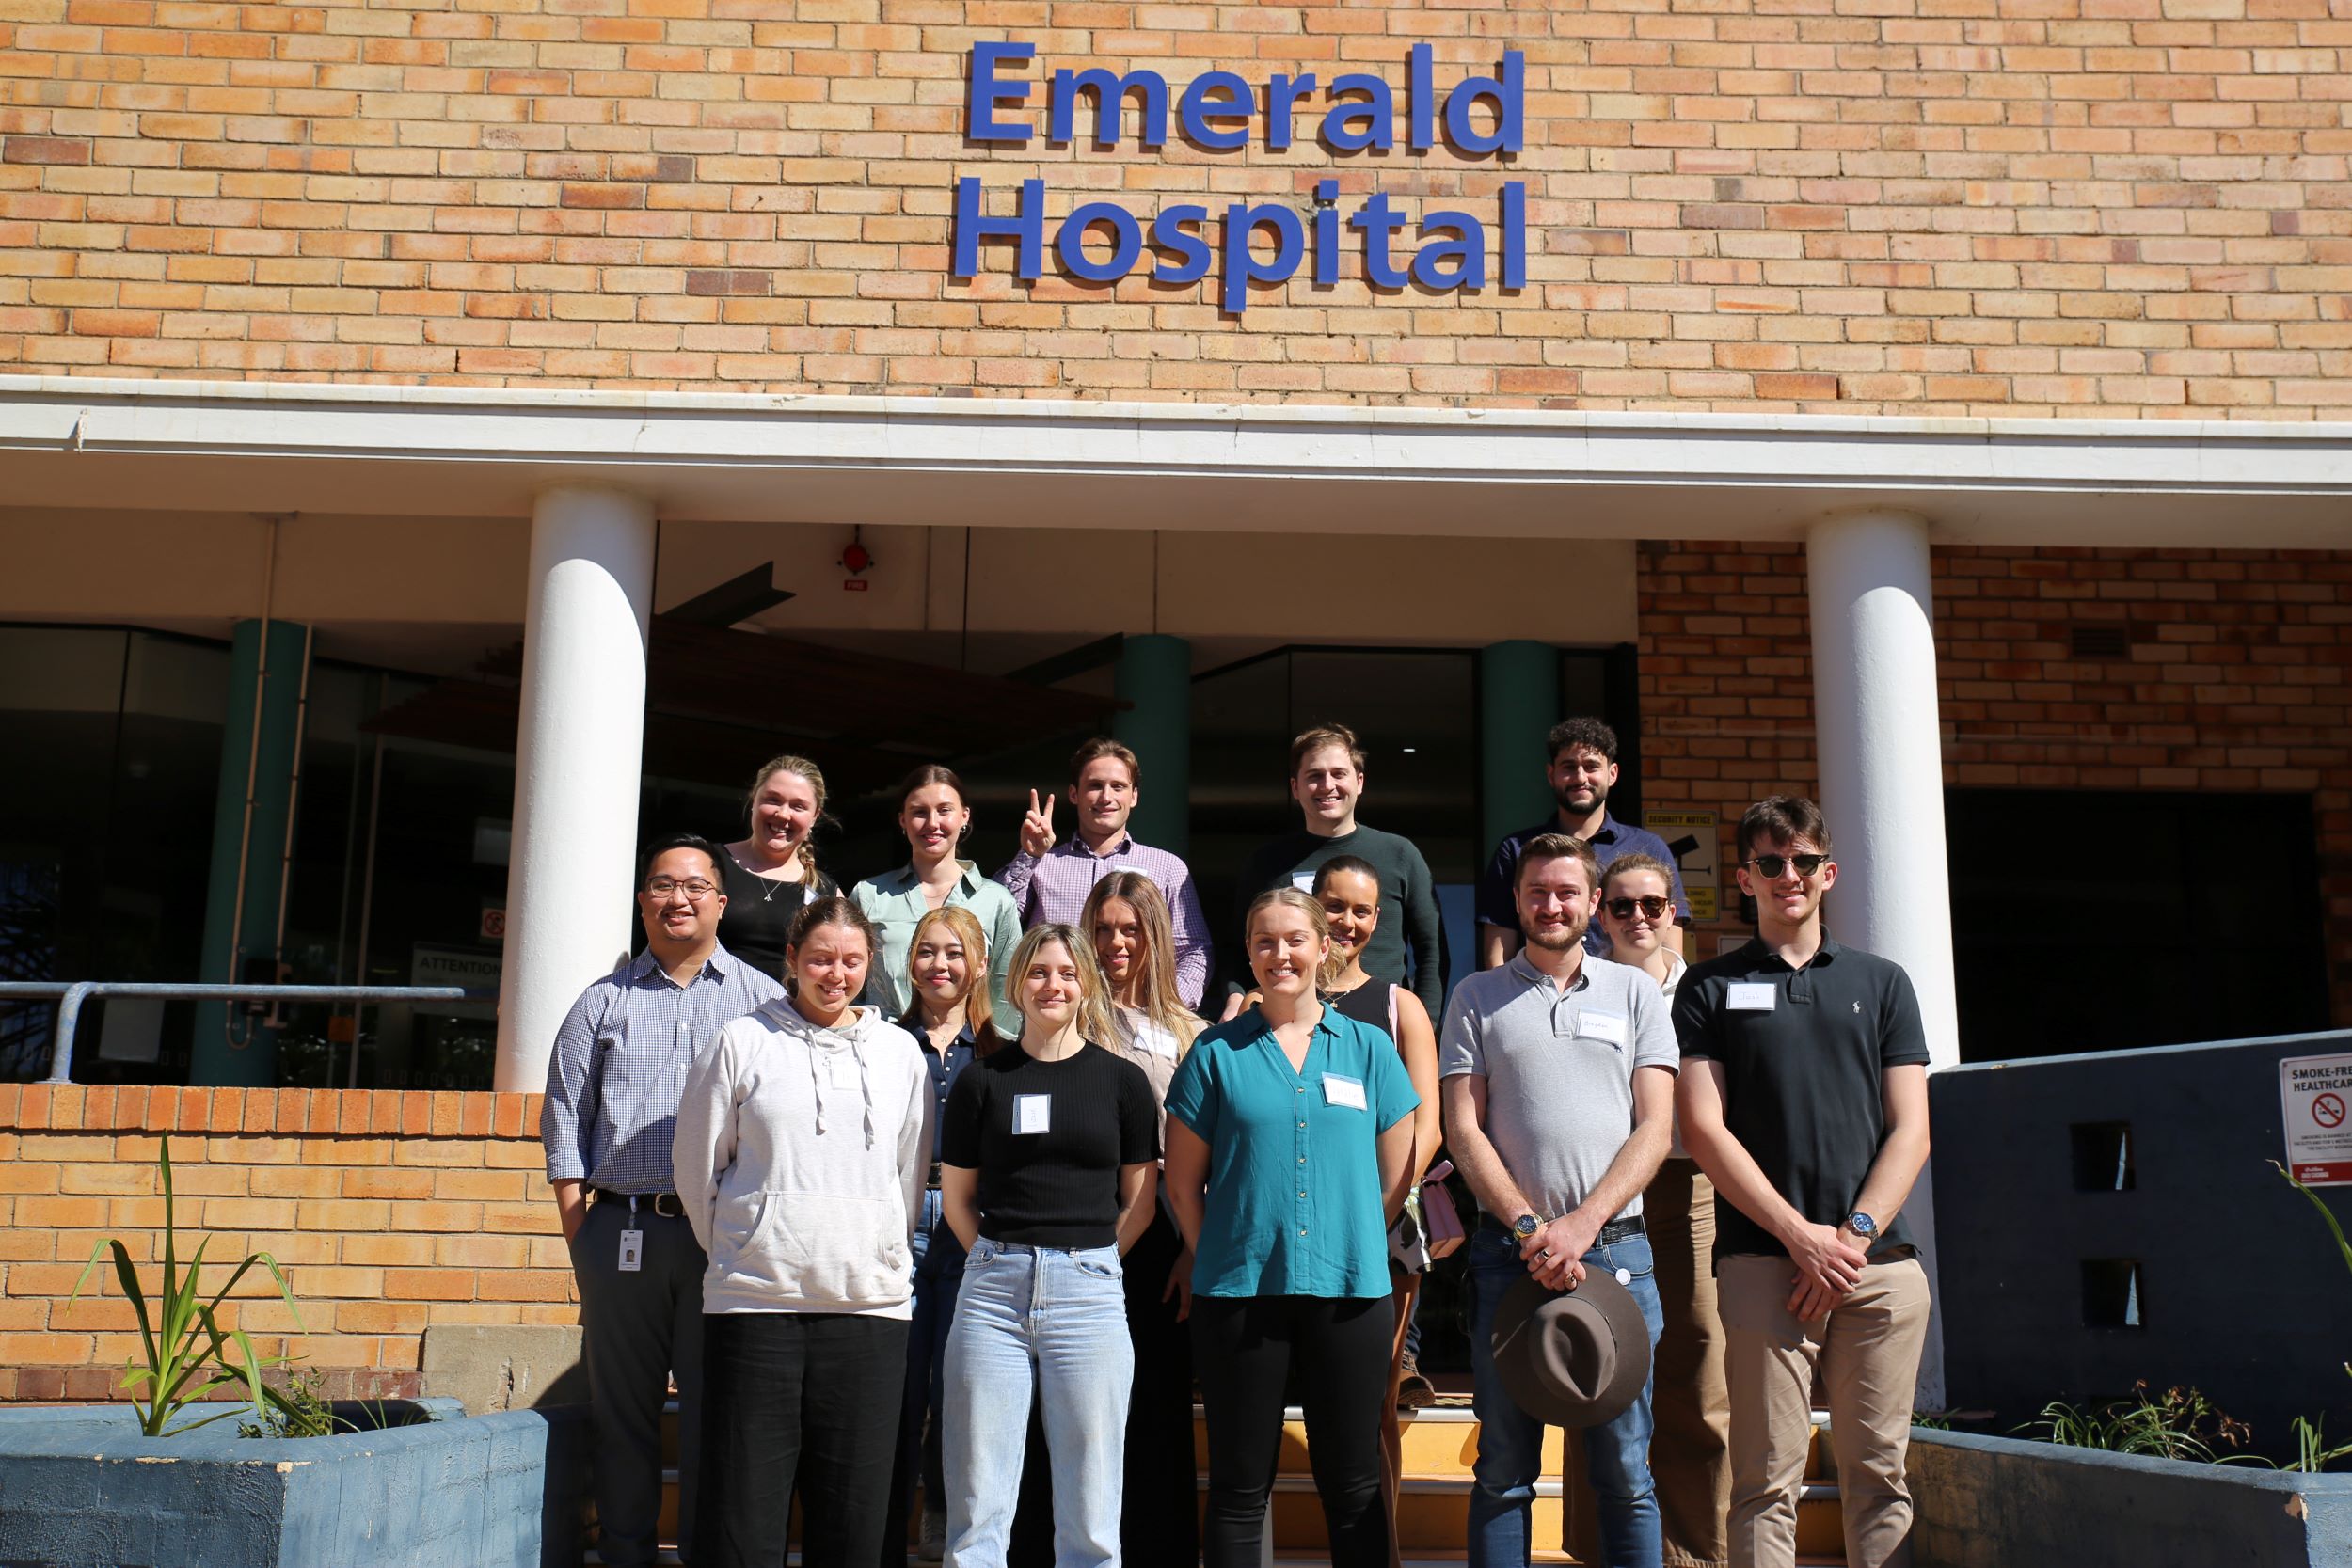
[2327,1109]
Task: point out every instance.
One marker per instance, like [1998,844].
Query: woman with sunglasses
[1290,1134]
[1690,1450]
[1135,941]
[1348,889]
[1047,1178]
[950,1020]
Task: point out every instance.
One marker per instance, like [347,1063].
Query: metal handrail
[70,994]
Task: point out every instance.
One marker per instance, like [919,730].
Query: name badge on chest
[1604,1027]
[1752,996]
[1349,1092]
[1032,1113]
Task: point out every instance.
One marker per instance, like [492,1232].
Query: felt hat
[1572,1358]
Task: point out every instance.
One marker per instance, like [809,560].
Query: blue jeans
[1511,1442]
[1054,1321]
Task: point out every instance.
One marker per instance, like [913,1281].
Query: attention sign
[2315,1093]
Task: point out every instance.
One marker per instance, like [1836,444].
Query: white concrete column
[579,752]
[1881,756]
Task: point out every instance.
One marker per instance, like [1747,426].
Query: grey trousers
[638,1331]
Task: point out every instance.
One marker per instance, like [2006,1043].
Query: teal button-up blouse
[1294,1199]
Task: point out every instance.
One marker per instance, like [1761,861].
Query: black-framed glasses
[1773,866]
[696,889]
[1651,906]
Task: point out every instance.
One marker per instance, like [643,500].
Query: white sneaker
[933,1546]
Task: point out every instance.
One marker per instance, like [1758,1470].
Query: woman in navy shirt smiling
[1290,1138]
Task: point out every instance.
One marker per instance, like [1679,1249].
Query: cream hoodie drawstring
[865,1079]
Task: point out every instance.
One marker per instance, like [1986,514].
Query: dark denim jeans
[938,1275]
[1511,1442]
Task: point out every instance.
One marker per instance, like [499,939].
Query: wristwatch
[1526,1226]
[1863,1226]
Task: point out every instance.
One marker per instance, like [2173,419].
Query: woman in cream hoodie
[803,1139]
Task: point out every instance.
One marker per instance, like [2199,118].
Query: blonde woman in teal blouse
[1290,1141]
[933,815]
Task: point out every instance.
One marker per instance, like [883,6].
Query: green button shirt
[1294,1199]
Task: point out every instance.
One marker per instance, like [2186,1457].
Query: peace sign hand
[1037,827]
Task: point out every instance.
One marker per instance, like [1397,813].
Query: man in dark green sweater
[1326,779]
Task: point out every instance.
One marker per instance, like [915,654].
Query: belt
[664,1204]
[1611,1234]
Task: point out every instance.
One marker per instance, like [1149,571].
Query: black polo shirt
[1805,1054]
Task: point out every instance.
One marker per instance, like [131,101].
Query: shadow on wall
[2108,1219]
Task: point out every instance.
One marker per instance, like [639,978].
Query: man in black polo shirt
[1582,770]
[1805,1099]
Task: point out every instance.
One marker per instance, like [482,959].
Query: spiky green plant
[188,1357]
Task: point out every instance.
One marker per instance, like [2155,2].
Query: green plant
[304,1412]
[2180,1424]
[187,1355]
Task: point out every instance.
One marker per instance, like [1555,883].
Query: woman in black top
[771,872]
[1047,1178]
[1348,889]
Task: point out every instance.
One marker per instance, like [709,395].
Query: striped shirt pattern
[620,1060]
[1053,890]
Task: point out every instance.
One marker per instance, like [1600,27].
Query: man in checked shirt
[613,1090]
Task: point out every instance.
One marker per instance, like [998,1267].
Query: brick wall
[389,1210]
[2131,208]
[2239,678]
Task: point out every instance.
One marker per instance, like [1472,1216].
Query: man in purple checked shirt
[1049,881]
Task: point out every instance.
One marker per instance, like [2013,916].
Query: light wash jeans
[1054,1321]
[1511,1442]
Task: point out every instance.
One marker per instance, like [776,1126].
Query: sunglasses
[1652,906]
[1770,866]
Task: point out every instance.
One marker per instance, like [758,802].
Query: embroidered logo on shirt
[1857,1006]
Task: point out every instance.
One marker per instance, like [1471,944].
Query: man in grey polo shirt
[1559,1075]
[613,1089]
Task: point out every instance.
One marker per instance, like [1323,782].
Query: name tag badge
[1166,1046]
[1343,1091]
[1032,1113]
[632,1251]
[1303,880]
[1752,996]
[1605,1026]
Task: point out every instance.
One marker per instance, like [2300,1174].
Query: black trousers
[805,1398]
[1249,1349]
[638,1331]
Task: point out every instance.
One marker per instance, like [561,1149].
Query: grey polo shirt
[1558,1067]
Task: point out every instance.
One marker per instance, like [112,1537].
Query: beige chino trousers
[1867,1351]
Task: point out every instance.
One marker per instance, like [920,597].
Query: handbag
[1439,1223]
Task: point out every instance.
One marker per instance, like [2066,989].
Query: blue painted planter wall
[2243,1293]
[1999,1502]
[82,1487]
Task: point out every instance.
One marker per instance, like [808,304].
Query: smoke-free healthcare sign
[2316,1095]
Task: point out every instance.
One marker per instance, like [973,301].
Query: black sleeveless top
[1368,1004]
[759,913]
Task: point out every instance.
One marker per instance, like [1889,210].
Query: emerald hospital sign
[1254,242]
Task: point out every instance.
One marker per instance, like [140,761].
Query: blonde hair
[1162,1004]
[966,926]
[1097,1022]
[798,767]
[1291,898]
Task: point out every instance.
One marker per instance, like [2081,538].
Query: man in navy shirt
[1584,769]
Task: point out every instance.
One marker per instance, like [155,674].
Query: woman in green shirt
[1290,1140]
[933,815]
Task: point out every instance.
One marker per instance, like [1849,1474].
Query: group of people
[946,1184]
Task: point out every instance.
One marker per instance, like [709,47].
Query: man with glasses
[611,1104]
[1582,771]
[1806,1102]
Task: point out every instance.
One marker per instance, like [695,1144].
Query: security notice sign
[2315,1092]
[1691,835]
